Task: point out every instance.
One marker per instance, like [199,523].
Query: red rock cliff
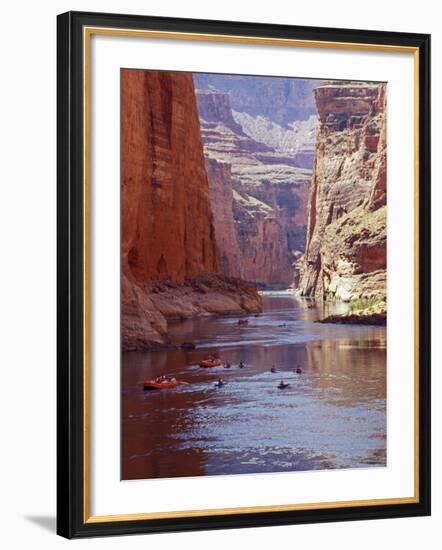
[169,254]
[221,198]
[345,253]
[167,224]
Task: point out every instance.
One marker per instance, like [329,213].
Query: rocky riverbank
[372,315]
[147,308]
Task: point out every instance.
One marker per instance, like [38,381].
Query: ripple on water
[333,415]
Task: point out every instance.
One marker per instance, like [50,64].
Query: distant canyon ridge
[259,171]
[231,183]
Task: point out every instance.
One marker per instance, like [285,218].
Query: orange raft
[157,384]
[208,363]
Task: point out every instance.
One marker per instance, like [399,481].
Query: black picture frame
[71,519]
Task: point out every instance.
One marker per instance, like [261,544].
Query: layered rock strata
[345,254]
[297,140]
[167,223]
[267,220]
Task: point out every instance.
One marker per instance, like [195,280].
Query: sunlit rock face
[168,234]
[267,219]
[345,254]
[297,140]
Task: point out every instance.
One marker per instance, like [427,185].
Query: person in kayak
[241,365]
[282,385]
[273,369]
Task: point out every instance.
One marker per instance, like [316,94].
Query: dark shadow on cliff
[48,523]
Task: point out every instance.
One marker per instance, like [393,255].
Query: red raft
[160,384]
[208,363]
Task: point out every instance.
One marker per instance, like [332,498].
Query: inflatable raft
[157,385]
[209,363]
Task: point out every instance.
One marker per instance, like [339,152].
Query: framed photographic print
[238,206]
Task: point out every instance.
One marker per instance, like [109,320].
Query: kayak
[283,386]
[208,363]
[188,345]
[153,385]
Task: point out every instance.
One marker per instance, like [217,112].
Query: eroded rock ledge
[374,315]
[146,309]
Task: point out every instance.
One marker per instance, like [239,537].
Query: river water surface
[333,414]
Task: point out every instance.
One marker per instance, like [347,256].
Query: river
[333,414]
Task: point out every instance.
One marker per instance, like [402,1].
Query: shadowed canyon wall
[345,254]
[163,172]
[264,218]
[221,198]
[169,254]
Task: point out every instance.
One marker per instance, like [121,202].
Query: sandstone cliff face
[268,213]
[221,198]
[163,173]
[216,108]
[167,223]
[345,253]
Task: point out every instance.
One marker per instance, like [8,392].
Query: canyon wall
[221,198]
[345,254]
[297,140]
[267,219]
[163,171]
[168,250]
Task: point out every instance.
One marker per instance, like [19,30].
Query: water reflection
[333,415]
